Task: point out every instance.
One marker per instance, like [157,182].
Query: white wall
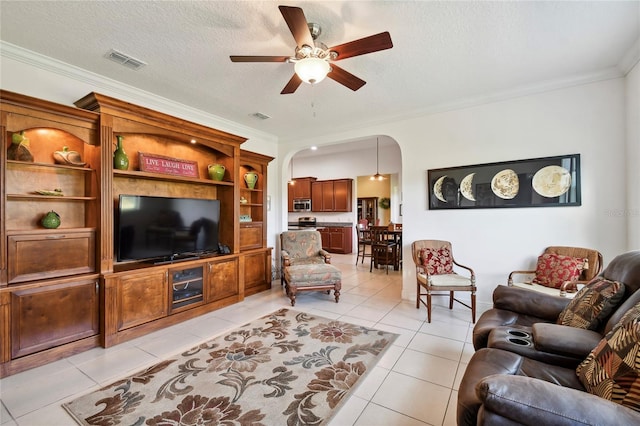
[632,212]
[587,119]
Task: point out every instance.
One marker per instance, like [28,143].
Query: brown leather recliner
[505,387]
[521,309]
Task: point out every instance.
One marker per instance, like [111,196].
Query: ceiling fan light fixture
[312,70]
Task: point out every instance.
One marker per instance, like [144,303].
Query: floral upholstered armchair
[306,266]
[302,247]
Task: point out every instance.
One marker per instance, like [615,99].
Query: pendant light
[377,176]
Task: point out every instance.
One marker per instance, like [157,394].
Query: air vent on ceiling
[260,115]
[126,60]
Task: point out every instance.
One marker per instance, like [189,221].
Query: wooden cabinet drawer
[45,317]
[40,255]
[250,235]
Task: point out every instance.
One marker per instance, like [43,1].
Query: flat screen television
[163,229]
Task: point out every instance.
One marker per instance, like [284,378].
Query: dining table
[394,234]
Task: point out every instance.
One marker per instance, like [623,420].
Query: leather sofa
[504,388]
[538,384]
[534,314]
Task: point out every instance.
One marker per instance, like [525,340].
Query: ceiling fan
[313,60]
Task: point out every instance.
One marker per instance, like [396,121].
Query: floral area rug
[285,368]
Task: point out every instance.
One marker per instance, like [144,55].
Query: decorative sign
[168,166]
[538,182]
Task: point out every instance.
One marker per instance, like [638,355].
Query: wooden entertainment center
[62,290]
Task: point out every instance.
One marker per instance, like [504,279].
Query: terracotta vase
[120,159]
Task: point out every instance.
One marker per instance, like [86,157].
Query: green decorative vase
[251,178]
[120,159]
[216,171]
[51,220]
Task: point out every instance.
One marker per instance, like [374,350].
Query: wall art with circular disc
[551,181]
[505,184]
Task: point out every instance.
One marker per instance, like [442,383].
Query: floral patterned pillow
[437,261]
[612,369]
[553,270]
[592,305]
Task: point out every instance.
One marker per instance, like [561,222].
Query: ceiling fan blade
[295,19]
[345,78]
[259,58]
[292,85]
[362,46]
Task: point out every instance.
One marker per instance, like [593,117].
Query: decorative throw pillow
[553,270]
[437,261]
[612,369]
[592,305]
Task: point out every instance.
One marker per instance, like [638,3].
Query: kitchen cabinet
[301,189]
[322,196]
[337,239]
[331,195]
[342,195]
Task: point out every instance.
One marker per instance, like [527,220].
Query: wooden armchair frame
[592,268]
[452,282]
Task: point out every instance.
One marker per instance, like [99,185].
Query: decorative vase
[251,178]
[120,159]
[216,171]
[19,149]
[70,158]
[51,220]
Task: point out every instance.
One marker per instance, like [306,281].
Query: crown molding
[489,98]
[129,93]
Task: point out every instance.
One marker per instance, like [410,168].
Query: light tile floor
[415,383]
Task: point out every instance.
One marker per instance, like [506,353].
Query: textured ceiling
[445,53]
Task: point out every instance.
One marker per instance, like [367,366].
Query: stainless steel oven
[307,222]
[302,205]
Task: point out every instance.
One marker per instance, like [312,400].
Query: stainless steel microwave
[302,205]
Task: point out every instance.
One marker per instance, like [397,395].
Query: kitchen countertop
[292,225]
[303,228]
